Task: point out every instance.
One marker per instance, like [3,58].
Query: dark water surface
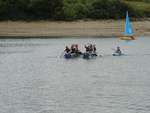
[35,79]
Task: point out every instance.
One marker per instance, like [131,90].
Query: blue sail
[128,27]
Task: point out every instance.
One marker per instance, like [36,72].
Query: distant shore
[103,28]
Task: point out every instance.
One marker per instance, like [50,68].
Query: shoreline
[59,29]
[52,37]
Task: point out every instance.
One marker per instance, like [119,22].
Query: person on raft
[77,51]
[67,50]
[87,49]
[94,48]
[73,48]
[118,50]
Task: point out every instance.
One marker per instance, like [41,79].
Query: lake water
[34,78]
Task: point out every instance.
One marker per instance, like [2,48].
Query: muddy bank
[108,28]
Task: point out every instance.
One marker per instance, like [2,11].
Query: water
[34,79]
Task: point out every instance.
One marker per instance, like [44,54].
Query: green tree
[46,9]
[75,9]
[105,9]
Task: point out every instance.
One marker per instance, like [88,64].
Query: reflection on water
[35,79]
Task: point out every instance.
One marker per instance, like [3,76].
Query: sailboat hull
[127,38]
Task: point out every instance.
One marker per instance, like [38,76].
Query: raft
[89,55]
[117,54]
[71,55]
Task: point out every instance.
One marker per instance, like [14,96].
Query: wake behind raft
[74,52]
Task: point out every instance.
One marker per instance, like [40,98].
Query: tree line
[64,9]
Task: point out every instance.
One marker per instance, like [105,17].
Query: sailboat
[128,33]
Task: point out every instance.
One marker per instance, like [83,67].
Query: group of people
[73,49]
[90,48]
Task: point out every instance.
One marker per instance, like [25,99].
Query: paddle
[113,49]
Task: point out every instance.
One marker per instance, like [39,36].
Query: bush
[31,9]
[75,9]
[13,9]
[71,9]
[147,1]
[104,9]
